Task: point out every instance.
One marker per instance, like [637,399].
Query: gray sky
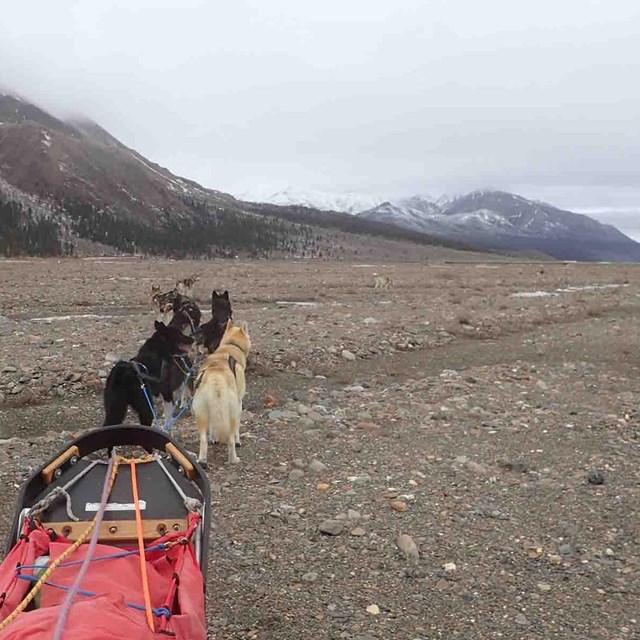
[372,96]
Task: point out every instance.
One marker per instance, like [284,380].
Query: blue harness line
[137,366]
[162,611]
[113,556]
[171,420]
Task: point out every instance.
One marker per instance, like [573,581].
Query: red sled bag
[110,588]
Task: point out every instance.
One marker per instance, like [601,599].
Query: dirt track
[477,413]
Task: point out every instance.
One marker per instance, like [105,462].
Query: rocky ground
[456,457]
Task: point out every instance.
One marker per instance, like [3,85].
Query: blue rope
[124,554]
[146,395]
[137,365]
[161,611]
[172,420]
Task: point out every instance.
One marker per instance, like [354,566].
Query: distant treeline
[202,233]
[350,224]
[200,228]
[24,234]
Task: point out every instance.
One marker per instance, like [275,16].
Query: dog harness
[232,362]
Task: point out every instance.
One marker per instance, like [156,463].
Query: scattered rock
[449,567]
[316,466]
[322,486]
[398,505]
[348,355]
[595,476]
[514,465]
[310,577]
[373,609]
[367,426]
[521,620]
[408,547]
[269,401]
[353,515]
[358,532]
[296,474]
[331,527]
[544,587]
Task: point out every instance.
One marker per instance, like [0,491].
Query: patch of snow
[166,178]
[288,303]
[589,287]
[571,289]
[345,202]
[84,316]
[533,294]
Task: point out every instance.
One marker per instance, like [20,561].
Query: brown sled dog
[220,388]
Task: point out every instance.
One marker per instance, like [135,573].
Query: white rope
[60,492]
[193,504]
[48,500]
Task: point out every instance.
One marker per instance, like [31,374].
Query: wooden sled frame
[106,438]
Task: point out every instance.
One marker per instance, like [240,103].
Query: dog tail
[116,392]
[122,373]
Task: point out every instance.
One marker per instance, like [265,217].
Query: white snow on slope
[345,202]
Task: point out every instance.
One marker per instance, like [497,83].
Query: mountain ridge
[67,184]
[504,221]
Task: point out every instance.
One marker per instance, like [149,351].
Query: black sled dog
[211,332]
[161,366]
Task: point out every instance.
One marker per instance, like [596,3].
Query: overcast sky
[373,96]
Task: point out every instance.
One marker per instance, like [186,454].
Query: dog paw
[203,463]
[235,460]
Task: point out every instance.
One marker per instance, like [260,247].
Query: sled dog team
[163,366]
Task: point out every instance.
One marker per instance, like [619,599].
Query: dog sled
[109,540]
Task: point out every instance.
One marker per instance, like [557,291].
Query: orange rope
[143,561]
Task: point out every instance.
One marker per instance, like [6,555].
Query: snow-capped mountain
[486,219]
[343,202]
[499,220]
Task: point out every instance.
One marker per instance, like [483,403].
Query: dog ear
[159,326]
[229,325]
[214,295]
[245,328]
[225,295]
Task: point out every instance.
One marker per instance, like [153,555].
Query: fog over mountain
[385,99]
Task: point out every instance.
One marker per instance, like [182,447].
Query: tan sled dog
[382,282]
[220,388]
